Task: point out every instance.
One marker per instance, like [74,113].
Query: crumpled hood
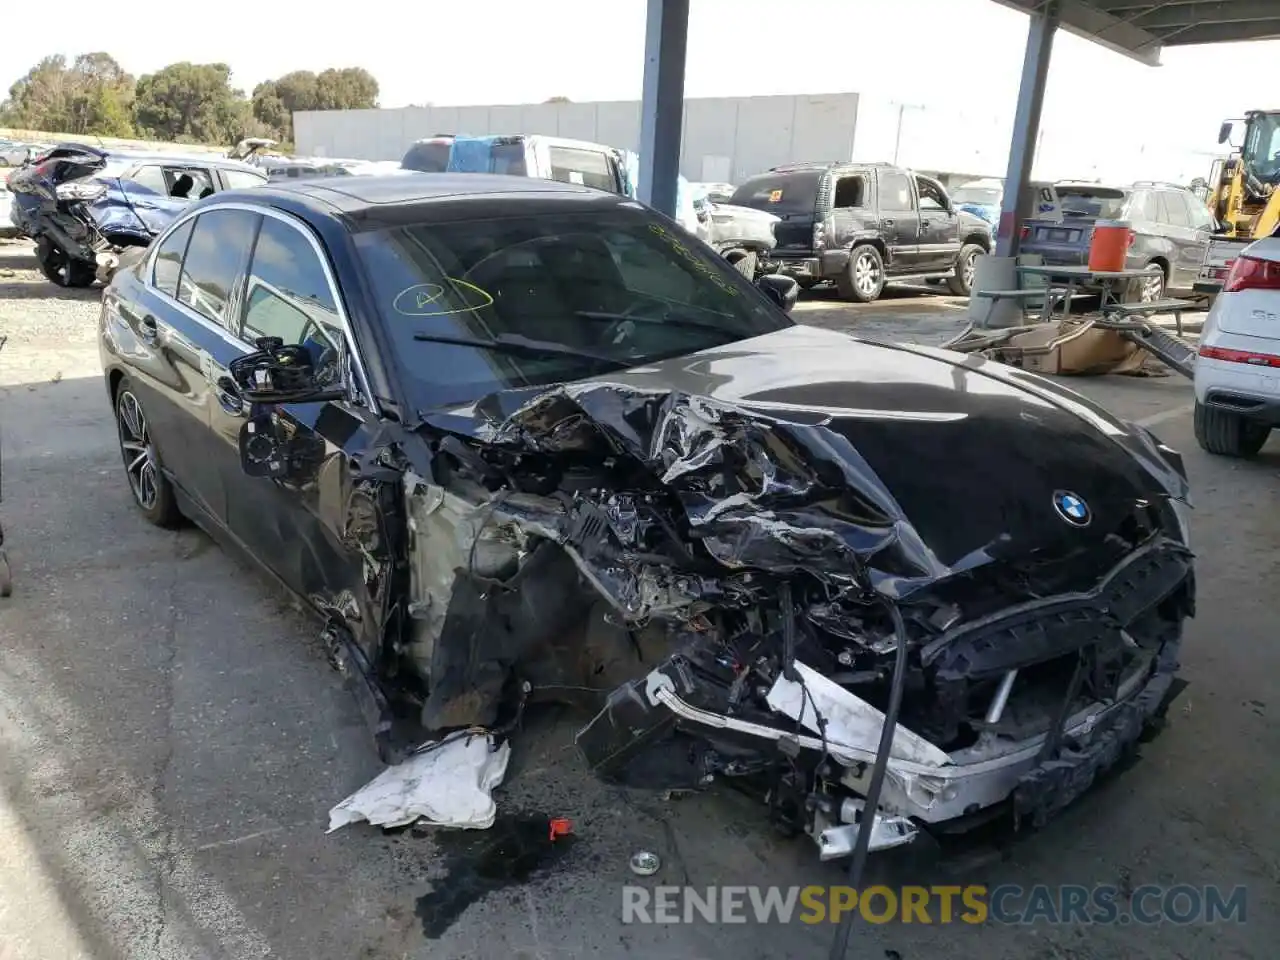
[809,449]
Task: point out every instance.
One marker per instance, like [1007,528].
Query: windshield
[600,291]
[1261,152]
[976,195]
[1104,203]
[781,193]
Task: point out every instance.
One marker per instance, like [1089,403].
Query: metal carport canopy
[1136,28]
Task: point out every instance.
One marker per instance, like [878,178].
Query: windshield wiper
[680,321]
[524,346]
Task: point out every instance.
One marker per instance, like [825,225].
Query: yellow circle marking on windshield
[423,299]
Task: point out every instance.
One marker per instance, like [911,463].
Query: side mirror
[784,291]
[279,373]
[1224,132]
[270,446]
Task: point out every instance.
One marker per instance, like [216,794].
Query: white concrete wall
[724,138]
[733,138]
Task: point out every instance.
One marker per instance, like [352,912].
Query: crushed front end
[726,585]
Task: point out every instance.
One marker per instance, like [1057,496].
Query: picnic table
[1073,278]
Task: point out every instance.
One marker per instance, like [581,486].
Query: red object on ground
[560,827]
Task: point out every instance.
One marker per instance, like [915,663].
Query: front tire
[863,279]
[151,491]
[961,282]
[1228,434]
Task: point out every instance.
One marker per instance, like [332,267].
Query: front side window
[217,253]
[587,168]
[168,265]
[932,196]
[476,306]
[287,295]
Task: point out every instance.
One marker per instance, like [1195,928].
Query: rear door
[180,323]
[791,196]
[899,220]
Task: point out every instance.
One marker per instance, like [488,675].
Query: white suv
[1237,375]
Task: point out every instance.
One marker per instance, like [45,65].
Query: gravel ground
[171,740]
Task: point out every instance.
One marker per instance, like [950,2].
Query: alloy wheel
[1152,287]
[866,276]
[970,270]
[138,453]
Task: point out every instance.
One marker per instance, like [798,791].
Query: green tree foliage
[274,101]
[185,102]
[93,95]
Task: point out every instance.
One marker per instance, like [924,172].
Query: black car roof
[405,198]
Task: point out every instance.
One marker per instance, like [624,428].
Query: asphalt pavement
[171,740]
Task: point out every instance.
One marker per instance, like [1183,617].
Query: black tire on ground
[151,490]
[1228,434]
[745,264]
[961,282]
[863,279]
[58,268]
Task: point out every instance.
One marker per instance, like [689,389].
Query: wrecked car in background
[741,235]
[84,207]
[516,441]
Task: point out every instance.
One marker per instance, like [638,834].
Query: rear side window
[242,178]
[288,294]
[169,256]
[428,157]
[587,168]
[895,191]
[781,193]
[1176,209]
[151,177]
[1145,207]
[217,253]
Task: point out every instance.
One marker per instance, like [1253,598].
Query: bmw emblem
[1071,508]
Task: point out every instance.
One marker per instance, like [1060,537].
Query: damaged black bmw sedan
[516,440]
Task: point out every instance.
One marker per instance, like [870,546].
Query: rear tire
[1147,290]
[961,282]
[862,281]
[151,490]
[746,263]
[1228,434]
[61,269]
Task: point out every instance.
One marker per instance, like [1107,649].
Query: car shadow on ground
[43,290]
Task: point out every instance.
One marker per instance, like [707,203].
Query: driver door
[939,227]
[294,526]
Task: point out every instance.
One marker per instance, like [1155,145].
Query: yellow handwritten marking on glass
[775,196]
[422,299]
[703,268]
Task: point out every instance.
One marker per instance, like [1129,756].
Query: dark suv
[1171,228]
[863,225]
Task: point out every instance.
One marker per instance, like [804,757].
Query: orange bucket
[1109,245]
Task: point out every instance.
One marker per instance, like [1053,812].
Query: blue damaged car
[84,206]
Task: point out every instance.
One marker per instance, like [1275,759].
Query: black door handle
[889,223]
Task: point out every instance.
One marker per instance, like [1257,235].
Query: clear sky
[934,52]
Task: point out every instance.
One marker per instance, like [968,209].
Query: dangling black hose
[858,863]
